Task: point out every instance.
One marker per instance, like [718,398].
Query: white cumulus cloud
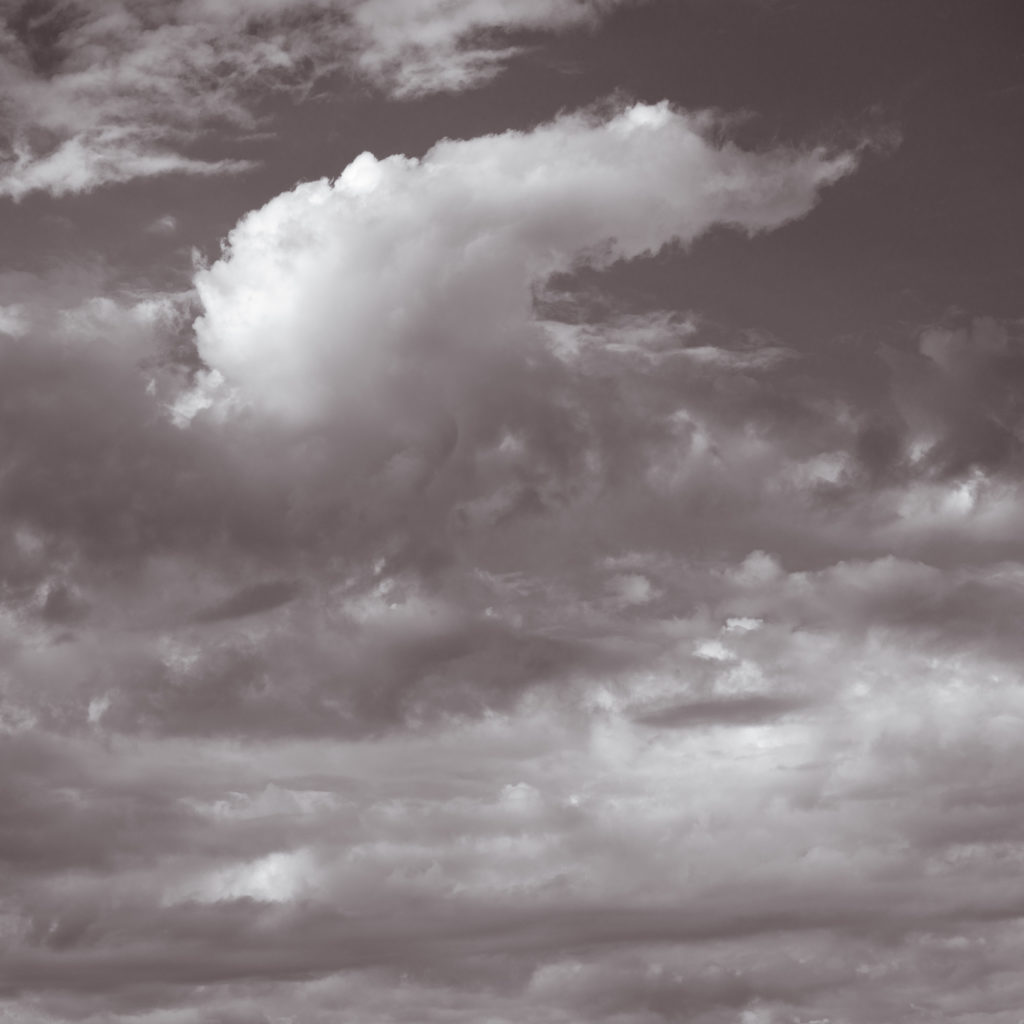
[390,287]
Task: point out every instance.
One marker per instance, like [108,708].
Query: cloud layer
[395,631]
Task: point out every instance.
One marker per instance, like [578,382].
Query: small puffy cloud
[165,225]
[13,320]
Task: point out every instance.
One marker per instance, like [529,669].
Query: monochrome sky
[511,511]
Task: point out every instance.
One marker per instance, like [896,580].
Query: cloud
[726,711]
[13,320]
[404,263]
[962,398]
[260,597]
[104,158]
[416,47]
[165,225]
[528,892]
[468,649]
[96,94]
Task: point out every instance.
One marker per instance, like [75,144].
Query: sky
[510,511]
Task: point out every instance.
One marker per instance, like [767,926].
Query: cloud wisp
[101,93]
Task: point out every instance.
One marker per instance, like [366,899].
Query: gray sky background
[511,511]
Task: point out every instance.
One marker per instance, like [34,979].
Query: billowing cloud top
[411,620]
[409,272]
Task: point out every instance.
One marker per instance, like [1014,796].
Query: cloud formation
[394,631]
[414,47]
[405,268]
[100,93]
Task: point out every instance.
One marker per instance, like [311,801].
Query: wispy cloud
[414,47]
[99,93]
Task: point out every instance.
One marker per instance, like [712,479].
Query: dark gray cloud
[753,710]
[253,600]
